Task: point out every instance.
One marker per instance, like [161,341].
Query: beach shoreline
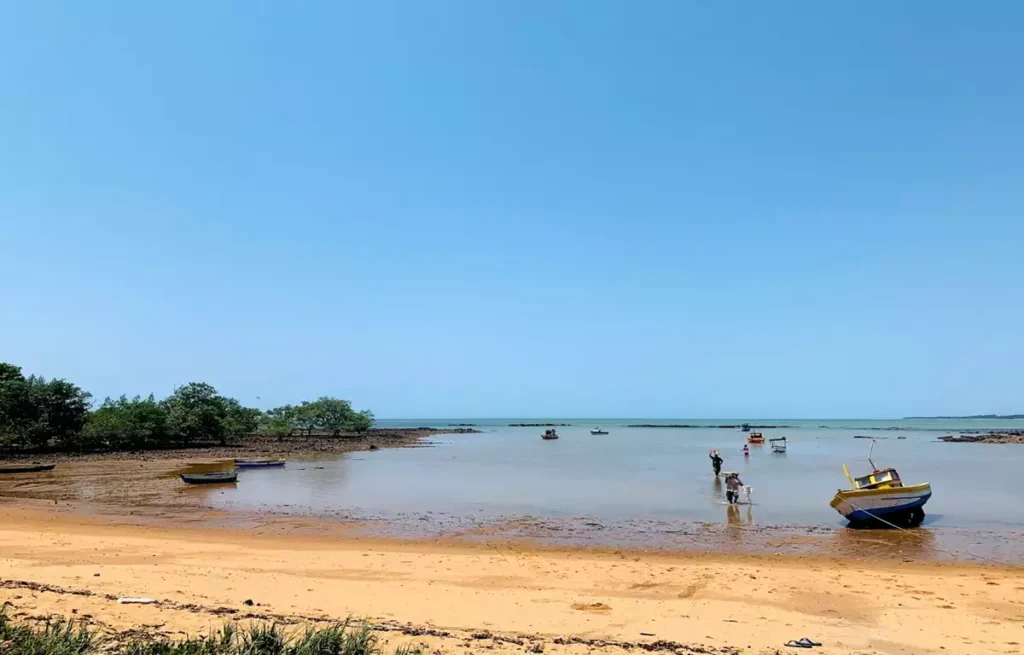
[508,593]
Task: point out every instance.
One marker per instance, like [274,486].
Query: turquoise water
[648,474]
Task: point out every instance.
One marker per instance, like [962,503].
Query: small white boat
[778,445]
[598,430]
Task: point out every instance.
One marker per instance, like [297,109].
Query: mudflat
[460,596]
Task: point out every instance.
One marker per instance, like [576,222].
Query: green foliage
[59,638]
[37,413]
[277,425]
[52,638]
[125,424]
[361,421]
[332,414]
[62,409]
[325,414]
[196,413]
[17,413]
[239,421]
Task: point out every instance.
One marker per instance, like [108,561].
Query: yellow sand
[751,603]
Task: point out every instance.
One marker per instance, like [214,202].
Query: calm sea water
[643,473]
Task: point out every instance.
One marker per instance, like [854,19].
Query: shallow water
[654,474]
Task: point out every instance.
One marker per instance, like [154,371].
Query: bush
[68,638]
[124,424]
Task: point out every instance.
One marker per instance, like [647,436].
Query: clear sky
[520,208]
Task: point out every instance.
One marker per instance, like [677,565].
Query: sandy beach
[455,596]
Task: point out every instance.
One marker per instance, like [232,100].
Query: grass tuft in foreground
[68,638]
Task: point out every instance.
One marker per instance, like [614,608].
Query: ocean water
[661,474]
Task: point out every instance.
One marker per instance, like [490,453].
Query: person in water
[716,461]
[746,450]
[732,488]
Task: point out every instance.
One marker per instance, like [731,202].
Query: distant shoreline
[963,418]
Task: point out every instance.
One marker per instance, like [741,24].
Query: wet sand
[458,596]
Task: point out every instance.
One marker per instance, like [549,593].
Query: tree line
[36,413]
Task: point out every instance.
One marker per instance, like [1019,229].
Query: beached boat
[259,463]
[755,438]
[26,468]
[881,496]
[209,478]
[598,430]
[549,434]
[778,444]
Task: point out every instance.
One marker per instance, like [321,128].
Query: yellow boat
[755,438]
[881,496]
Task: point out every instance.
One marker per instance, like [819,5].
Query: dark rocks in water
[462,425]
[538,425]
[695,427]
[1006,436]
[373,447]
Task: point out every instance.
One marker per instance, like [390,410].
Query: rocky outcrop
[1005,436]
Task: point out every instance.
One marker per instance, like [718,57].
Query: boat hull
[868,504]
[27,468]
[259,464]
[208,478]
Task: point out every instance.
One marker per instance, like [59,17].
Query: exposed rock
[1006,436]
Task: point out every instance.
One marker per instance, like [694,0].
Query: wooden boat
[598,430]
[755,438]
[549,434]
[26,468]
[881,496]
[209,478]
[259,463]
[778,445]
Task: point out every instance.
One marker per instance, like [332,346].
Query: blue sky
[472,208]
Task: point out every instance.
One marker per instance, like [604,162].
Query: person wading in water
[732,488]
[716,461]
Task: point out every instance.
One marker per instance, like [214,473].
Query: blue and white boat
[881,497]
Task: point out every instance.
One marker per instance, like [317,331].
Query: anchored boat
[598,430]
[258,463]
[778,445]
[549,434]
[209,478]
[755,438]
[881,496]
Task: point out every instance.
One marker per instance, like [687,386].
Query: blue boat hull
[860,515]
